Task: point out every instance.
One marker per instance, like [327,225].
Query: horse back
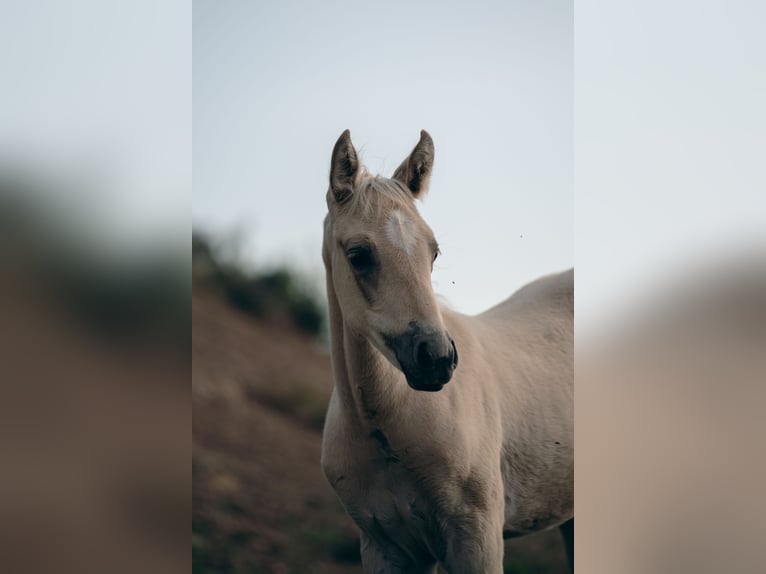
[548,298]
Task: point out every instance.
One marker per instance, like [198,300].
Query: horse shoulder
[337,443]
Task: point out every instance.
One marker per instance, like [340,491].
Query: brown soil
[260,501]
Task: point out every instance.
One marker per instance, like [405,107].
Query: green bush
[275,294]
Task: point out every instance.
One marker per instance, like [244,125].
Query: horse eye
[436,255]
[361,258]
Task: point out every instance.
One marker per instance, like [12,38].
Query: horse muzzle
[427,357]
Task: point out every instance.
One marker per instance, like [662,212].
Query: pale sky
[275,83]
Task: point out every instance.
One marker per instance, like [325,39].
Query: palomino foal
[433,472]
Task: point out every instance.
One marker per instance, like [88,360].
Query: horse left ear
[415,171]
[344,168]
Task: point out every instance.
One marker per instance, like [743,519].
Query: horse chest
[374,479]
[386,501]
[383,494]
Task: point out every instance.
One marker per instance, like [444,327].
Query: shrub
[278,294]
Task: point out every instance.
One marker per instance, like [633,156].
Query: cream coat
[444,476]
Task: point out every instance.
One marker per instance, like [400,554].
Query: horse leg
[567,533]
[475,548]
[379,559]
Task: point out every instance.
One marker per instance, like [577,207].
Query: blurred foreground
[670,426]
[94,405]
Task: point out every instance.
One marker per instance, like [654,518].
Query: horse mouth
[427,383]
[424,386]
[427,380]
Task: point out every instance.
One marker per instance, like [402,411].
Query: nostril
[454,353]
[423,355]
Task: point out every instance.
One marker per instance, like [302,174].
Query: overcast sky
[275,83]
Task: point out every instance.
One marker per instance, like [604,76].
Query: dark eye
[361,258]
[436,256]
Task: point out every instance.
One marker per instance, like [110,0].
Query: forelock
[376,195]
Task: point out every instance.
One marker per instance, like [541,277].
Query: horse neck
[368,386]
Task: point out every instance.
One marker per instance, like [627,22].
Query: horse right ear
[415,171]
[344,167]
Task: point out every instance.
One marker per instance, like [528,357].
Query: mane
[375,193]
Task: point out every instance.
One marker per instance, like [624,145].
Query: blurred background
[274,86]
[670,305]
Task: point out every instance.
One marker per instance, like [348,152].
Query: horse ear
[344,167]
[415,171]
